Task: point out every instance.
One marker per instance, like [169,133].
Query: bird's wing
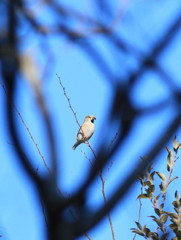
[88,129]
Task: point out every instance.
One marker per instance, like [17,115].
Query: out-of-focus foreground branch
[123,111]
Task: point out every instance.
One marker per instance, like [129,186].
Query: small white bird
[86,131]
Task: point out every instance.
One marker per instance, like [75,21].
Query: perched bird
[85,131]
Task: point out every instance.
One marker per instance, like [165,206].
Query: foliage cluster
[168,223]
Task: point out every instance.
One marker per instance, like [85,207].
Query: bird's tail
[75,145]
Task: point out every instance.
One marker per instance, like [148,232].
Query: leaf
[176,221]
[138,232]
[164,218]
[161,176]
[155,238]
[139,225]
[171,180]
[143,196]
[158,221]
[168,167]
[172,215]
[173,226]
[162,187]
[178,234]
[161,206]
[147,183]
[174,238]
[146,231]
[169,150]
[175,204]
[156,200]
[152,188]
[169,157]
[157,211]
[150,191]
[179,145]
[176,195]
[177,210]
[152,175]
[175,144]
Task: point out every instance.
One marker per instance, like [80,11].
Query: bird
[86,131]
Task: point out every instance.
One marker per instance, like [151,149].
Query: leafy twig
[139,213]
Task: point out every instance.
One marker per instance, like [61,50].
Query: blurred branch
[123,112]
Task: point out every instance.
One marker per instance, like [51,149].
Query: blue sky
[141,26]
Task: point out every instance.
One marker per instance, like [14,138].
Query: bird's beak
[94,118]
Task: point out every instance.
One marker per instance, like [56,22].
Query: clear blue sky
[143,23]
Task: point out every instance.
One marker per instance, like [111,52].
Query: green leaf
[143,196]
[155,238]
[152,188]
[157,211]
[174,238]
[175,204]
[147,183]
[158,221]
[138,232]
[178,234]
[139,225]
[161,176]
[177,210]
[152,217]
[173,226]
[176,221]
[146,231]
[164,218]
[172,215]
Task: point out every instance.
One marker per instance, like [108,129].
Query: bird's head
[90,118]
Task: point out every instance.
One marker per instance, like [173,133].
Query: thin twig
[87,158]
[104,196]
[173,160]
[105,201]
[139,213]
[75,115]
[100,173]
[27,128]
